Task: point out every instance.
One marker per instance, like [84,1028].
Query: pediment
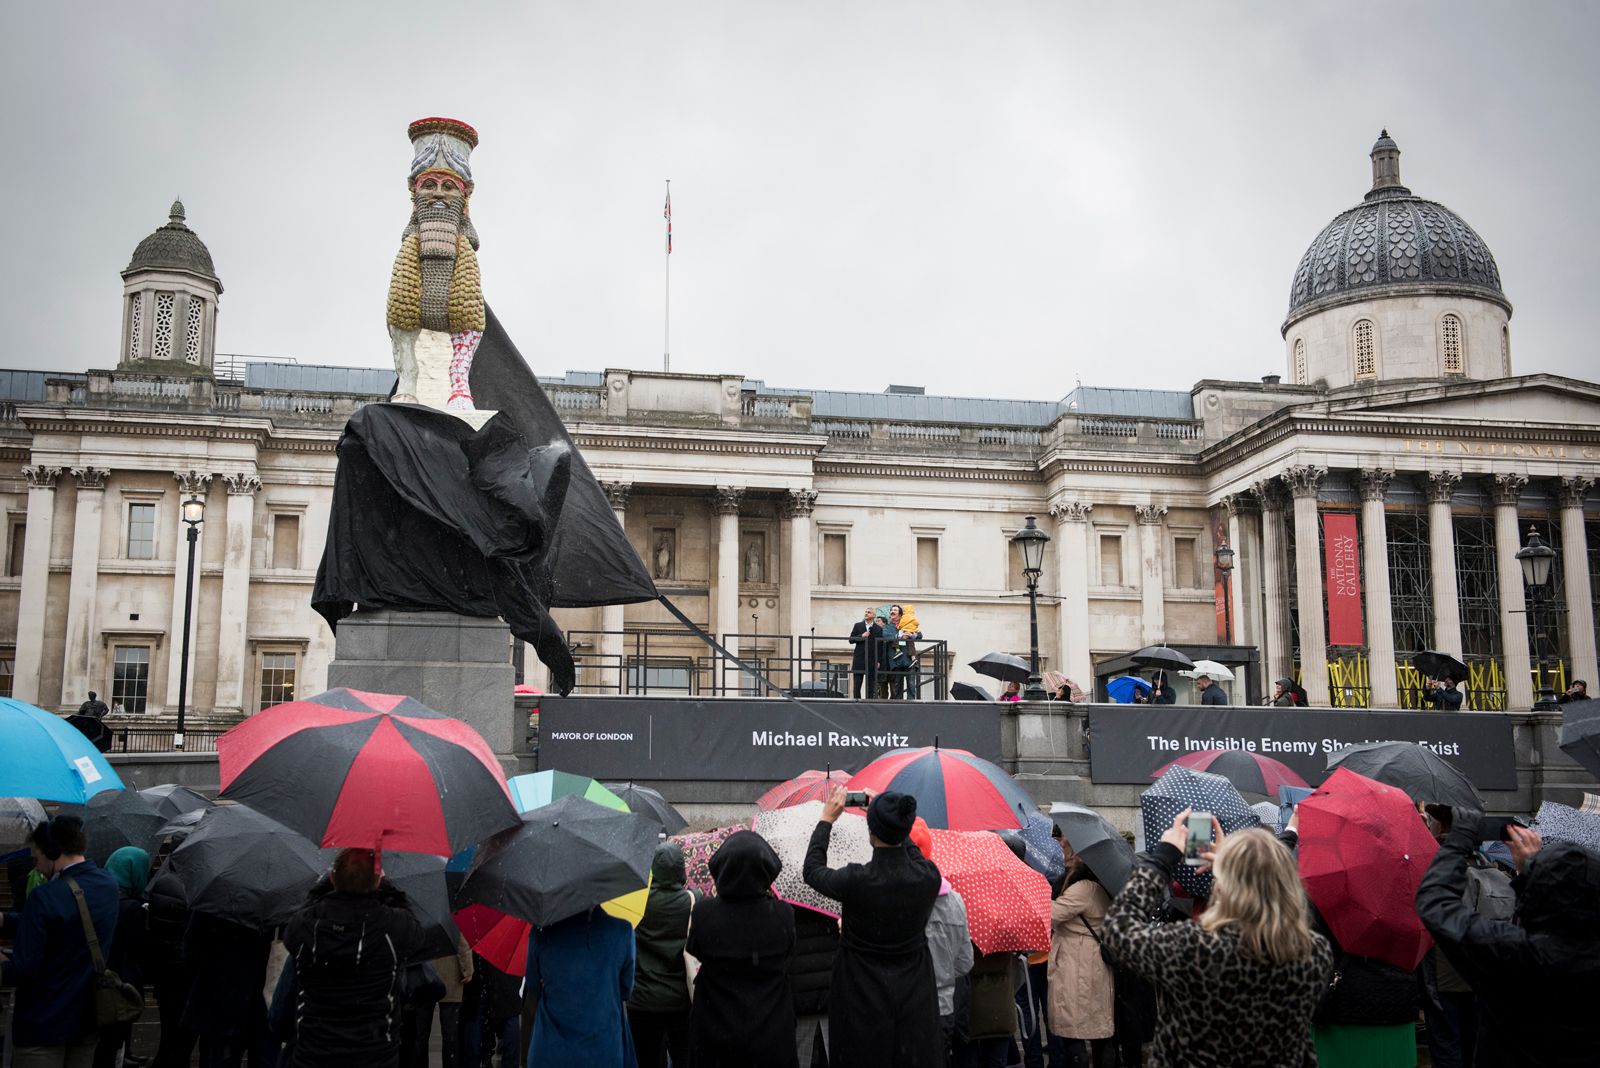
[1531,399]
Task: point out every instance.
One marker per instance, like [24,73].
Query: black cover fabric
[431,515]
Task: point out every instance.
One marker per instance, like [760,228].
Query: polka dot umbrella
[1182,788]
[954,789]
[1008,903]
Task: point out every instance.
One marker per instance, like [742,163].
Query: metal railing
[159,739]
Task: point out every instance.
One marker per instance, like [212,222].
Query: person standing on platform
[861,638]
[1210,692]
[1161,691]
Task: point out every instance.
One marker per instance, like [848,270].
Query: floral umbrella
[698,846]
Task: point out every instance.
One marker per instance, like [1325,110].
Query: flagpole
[666,323]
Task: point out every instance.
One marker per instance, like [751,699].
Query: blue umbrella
[45,757]
[1122,688]
[1044,852]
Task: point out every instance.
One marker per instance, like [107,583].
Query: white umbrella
[1209,668]
[18,817]
[1270,815]
[788,831]
[1557,822]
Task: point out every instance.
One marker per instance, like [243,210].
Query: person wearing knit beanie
[889,817]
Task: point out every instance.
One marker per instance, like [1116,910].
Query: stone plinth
[459,665]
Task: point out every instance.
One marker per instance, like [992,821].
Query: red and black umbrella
[368,770]
[954,789]
[1250,773]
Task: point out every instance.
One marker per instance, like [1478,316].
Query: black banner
[646,738]
[1129,742]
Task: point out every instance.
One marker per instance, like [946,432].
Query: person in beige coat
[1082,1013]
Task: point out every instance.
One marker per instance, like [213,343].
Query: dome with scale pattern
[1391,242]
[174,247]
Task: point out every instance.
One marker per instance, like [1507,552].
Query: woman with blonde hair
[1240,985]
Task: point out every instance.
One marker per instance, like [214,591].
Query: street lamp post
[1032,540]
[194,510]
[1536,558]
[1224,561]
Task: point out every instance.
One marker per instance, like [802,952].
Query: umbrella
[1271,815]
[807,786]
[1591,803]
[1043,851]
[1008,903]
[179,827]
[788,832]
[421,876]
[1209,668]
[1250,773]
[1436,665]
[46,759]
[815,688]
[953,788]
[1182,788]
[648,802]
[1580,740]
[698,848]
[92,728]
[173,800]
[1122,688]
[1002,666]
[1411,767]
[1093,838]
[18,817]
[530,791]
[1160,656]
[966,691]
[1363,850]
[241,866]
[116,818]
[1563,823]
[499,939]
[347,768]
[561,859]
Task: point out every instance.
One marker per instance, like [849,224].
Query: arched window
[135,326]
[191,337]
[1505,351]
[1366,350]
[162,349]
[1300,361]
[1450,344]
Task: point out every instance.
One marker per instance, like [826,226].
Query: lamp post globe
[193,511]
[1031,541]
[1536,559]
[1223,559]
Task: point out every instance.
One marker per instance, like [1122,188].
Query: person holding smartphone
[1240,985]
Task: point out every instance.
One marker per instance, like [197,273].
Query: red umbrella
[807,786]
[954,789]
[1249,772]
[499,939]
[1008,903]
[368,770]
[1363,850]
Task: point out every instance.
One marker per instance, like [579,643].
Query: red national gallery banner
[1343,577]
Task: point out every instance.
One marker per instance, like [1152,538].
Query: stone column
[78,659]
[797,508]
[1575,576]
[1303,481]
[611,673]
[1237,504]
[190,483]
[233,658]
[35,581]
[1072,580]
[1152,580]
[726,621]
[1507,490]
[1274,597]
[1247,578]
[1375,576]
[1442,542]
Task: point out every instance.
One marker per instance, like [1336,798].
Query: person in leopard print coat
[1238,987]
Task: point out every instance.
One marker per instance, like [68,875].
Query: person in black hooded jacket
[1535,979]
[816,943]
[658,1009]
[350,943]
[743,1015]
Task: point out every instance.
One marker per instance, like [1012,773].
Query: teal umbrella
[45,757]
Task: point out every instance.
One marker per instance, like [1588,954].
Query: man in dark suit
[863,663]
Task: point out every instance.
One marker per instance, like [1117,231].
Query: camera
[855,799]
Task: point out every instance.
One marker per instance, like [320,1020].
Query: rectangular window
[277,678]
[141,531]
[1015,579]
[657,678]
[1183,569]
[16,541]
[833,560]
[8,670]
[927,563]
[286,541]
[130,677]
[1111,559]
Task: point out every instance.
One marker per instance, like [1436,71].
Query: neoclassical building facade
[1387,477]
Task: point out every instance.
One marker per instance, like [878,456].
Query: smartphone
[1199,837]
[855,799]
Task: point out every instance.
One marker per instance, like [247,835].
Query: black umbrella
[815,688]
[1416,769]
[966,691]
[178,827]
[1160,656]
[239,865]
[116,818]
[1093,838]
[1580,733]
[564,858]
[648,802]
[172,800]
[422,878]
[1002,666]
[1436,665]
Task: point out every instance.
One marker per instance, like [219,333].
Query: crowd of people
[1250,975]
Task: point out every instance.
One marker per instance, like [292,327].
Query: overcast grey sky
[991,199]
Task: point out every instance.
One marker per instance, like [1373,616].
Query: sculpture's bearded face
[439,201]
